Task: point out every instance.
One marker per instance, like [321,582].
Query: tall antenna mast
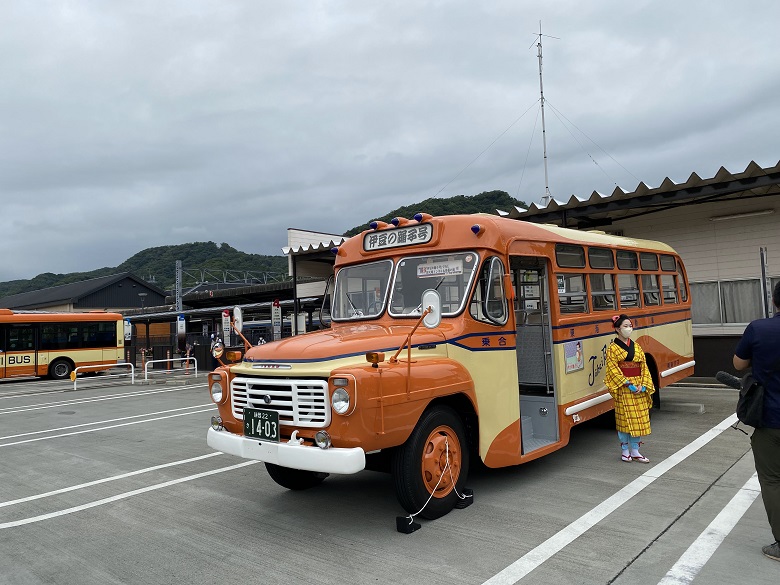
[547,196]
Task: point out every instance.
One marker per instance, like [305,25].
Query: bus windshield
[450,274]
[361,290]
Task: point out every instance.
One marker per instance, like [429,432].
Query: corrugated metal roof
[324,245]
[753,182]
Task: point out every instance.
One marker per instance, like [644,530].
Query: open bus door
[538,397]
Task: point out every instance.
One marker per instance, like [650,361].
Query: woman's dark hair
[617,320]
[776,295]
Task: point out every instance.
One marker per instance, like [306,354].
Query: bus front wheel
[60,369]
[429,470]
[294,479]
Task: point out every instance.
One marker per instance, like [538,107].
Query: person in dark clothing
[760,348]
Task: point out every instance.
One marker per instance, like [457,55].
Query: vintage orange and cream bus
[54,344]
[512,356]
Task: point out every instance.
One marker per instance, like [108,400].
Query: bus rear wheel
[60,369]
[294,479]
[429,470]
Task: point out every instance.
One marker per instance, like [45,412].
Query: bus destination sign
[398,237]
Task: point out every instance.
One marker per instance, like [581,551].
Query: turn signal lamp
[375,357]
[322,439]
[216,423]
[233,356]
[477,229]
[420,217]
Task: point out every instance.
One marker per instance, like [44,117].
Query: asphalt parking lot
[114,483]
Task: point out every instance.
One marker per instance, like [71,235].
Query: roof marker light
[420,217]
[377,225]
[396,221]
[477,229]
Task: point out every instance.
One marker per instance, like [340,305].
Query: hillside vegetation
[486,202]
[159,263]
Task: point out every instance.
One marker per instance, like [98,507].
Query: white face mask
[625,331]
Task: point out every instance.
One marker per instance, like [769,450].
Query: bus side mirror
[431,300]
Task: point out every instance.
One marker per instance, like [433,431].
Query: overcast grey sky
[128,125]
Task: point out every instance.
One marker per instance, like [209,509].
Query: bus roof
[9,316]
[452,232]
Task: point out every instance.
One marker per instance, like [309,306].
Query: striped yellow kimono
[631,409]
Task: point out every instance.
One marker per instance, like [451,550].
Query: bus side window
[650,291]
[682,283]
[488,302]
[572,297]
[629,291]
[669,287]
[602,292]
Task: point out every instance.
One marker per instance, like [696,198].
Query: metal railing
[171,361]
[100,367]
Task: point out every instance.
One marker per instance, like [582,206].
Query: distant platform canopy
[600,210]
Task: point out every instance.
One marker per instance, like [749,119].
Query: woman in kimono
[631,386]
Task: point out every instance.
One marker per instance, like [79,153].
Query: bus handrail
[97,367]
[171,360]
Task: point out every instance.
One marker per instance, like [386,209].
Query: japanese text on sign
[450,268]
[406,236]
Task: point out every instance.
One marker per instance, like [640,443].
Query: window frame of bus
[669,265]
[563,252]
[489,287]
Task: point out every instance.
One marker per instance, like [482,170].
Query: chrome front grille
[300,403]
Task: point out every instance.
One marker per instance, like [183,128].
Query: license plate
[261,424]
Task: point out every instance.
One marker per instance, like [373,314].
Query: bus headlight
[340,400]
[216,391]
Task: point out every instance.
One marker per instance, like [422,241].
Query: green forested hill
[160,262]
[486,202]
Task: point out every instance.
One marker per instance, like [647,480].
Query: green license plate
[261,424]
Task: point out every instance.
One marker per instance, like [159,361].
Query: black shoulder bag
[750,405]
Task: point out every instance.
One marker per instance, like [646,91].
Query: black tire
[294,479]
[60,369]
[422,460]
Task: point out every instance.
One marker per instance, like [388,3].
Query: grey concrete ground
[115,484]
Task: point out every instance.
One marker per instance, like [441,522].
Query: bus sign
[396,238]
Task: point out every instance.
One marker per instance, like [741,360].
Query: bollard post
[168,357]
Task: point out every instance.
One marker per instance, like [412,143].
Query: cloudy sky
[128,125]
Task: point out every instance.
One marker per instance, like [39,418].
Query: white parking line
[106,480]
[532,559]
[100,422]
[123,496]
[136,422]
[60,403]
[691,562]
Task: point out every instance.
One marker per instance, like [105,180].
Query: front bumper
[292,455]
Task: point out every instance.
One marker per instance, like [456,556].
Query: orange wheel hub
[440,446]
